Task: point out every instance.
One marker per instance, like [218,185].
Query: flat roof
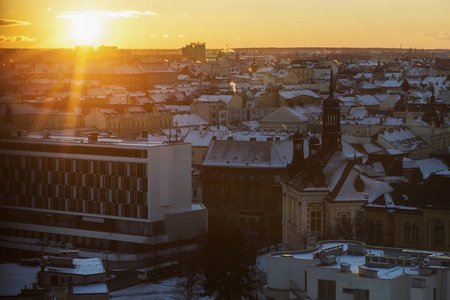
[389,271]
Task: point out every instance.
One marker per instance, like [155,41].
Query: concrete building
[338,270]
[97,196]
[194,51]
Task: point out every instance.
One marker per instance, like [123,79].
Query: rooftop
[385,263]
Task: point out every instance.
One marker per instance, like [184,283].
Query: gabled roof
[216,98]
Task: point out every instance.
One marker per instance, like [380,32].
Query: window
[316,224]
[360,294]
[326,289]
[371,227]
[276,178]
[407,231]
[439,232]
[54,280]
[416,232]
[379,228]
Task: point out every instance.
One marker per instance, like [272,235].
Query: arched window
[371,227]
[407,231]
[379,228]
[439,232]
[416,232]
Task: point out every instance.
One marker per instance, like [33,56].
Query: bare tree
[189,287]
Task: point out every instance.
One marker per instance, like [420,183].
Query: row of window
[135,124]
[73,165]
[133,227]
[243,192]
[24,181]
[131,195]
[75,205]
[242,177]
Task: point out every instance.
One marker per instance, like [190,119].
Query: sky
[164,24]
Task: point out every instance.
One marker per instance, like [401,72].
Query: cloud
[180,36]
[14,39]
[430,34]
[105,14]
[444,36]
[7,22]
[166,36]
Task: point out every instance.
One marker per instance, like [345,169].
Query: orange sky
[243,23]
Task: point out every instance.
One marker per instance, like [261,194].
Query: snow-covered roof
[304,113]
[81,266]
[402,139]
[363,76]
[367,100]
[297,93]
[391,83]
[431,165]
[96,288]
[184,120]
[216,98]
[249,154]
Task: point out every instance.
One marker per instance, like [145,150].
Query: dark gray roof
[249,154]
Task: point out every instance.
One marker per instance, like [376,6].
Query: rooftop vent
[345,267]
[327,260]
[359,250]
[367,272]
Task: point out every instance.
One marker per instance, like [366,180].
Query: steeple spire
[331,84]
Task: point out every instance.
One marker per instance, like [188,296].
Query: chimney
[93,137]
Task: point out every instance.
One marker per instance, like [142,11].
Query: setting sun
[85,30]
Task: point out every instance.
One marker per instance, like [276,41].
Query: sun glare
[86,30]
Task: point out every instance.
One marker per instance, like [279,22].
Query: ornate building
[329,194]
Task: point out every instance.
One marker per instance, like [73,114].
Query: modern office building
[351,270]
[118,201]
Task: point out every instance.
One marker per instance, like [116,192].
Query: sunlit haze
[252,23]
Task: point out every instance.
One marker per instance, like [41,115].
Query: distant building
[215,109]
[133,122]
[97,195]
[194,51]
[352,270]
[107,52]
[159,73]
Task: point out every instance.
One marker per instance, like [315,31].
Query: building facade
[351,270]
[97,197]
[241,185]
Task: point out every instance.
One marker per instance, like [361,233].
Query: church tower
[331,119]
[298,156]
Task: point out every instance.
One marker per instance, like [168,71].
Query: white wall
[169,180]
